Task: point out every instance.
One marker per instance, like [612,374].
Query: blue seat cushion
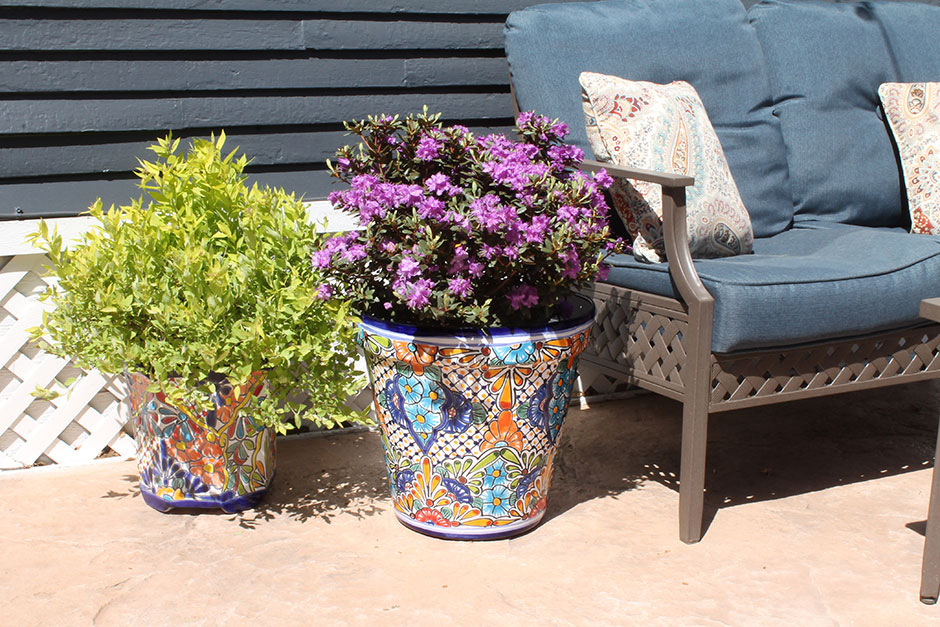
[816,281]
[708,44]
[826,61]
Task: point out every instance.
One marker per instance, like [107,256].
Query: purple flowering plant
[458,230]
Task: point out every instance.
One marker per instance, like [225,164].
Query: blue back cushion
[708,44]
[913,33]
[826,62]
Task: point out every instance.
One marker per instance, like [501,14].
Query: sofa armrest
[666,179]
[678,254]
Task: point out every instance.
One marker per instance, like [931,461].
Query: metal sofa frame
[664,345]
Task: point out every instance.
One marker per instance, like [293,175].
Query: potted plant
[204,297]
[464,270]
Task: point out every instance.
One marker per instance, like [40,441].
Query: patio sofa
[829,299]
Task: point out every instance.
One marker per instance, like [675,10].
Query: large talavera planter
[470,420]
[213,459]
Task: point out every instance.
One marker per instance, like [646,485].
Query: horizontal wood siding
[86,85]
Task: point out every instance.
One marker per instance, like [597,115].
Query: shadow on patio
[815,512]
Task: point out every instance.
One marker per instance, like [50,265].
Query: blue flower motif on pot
[547,408]
[497,500]
[496,474]
[404,479]
[425,407]
[458,491]
[513,354]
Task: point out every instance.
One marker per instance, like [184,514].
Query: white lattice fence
[74,428]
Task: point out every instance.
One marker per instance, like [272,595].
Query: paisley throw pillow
[913,112]
[665,128]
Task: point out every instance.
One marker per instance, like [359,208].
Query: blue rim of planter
[582,315]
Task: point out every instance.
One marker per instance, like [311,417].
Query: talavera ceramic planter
[470,420]
[214,459]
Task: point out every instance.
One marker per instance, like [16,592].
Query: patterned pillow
[913,111]
[665,128]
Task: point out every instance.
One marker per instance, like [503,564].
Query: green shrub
[209,278]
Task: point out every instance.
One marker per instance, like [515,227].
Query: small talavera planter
[189,459]
[470,420]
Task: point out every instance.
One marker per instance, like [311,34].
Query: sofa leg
[692,471]
[930,570]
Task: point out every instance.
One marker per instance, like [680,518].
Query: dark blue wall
[86,85]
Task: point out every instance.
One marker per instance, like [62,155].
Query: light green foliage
[208,276]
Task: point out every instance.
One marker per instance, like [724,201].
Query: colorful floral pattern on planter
[470,425]
[215,459]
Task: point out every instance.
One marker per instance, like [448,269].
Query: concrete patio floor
[815,516]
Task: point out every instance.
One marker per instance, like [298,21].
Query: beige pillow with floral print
[913,112]
[665,128]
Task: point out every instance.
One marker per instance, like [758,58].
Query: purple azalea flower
[364,182]
[603,271]
[407,269]
[459,220]
[336,245]
[523,297]
[572,263]
[560,130]
[535,230]
[564,156]
[459,286]
[431,208]
[354,253]
[437,183]
[408,195]
[489,252]
[322,259]
[498,146]
[515,232]
[529,151]
[511,252]
[416,294]
[459,261]
[569,214]
[428,148]
[325,291]
[369,211]
[602,178]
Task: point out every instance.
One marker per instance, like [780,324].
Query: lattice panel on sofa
[74,428]
[869,361]
[640,335]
